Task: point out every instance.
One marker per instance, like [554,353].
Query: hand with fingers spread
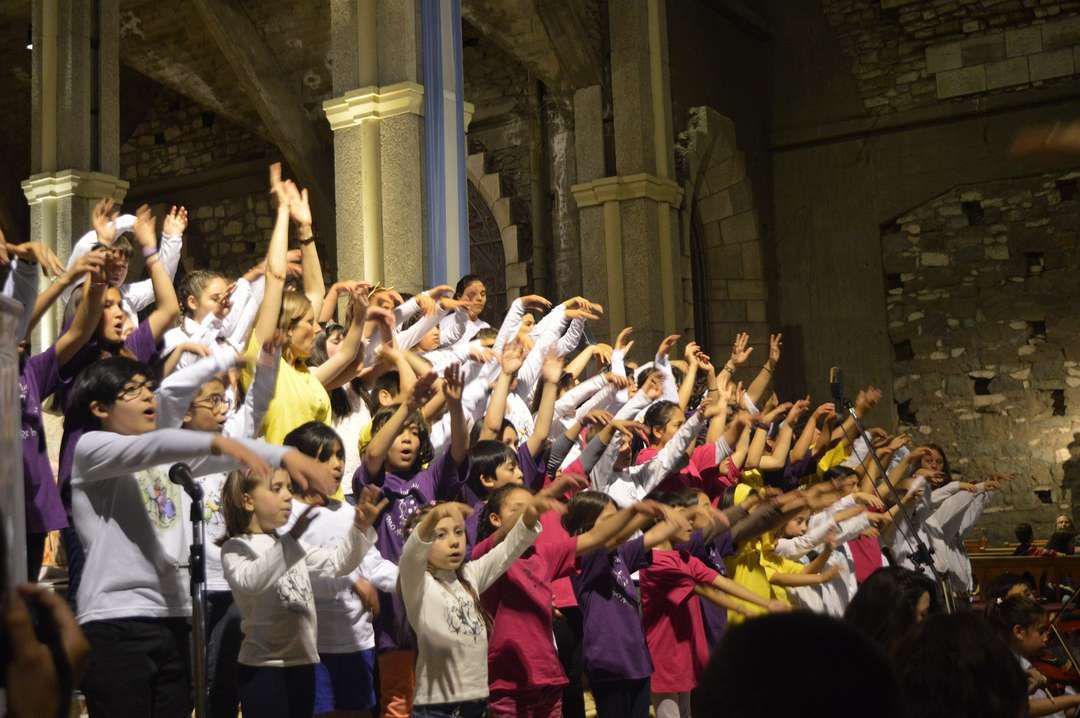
[616,380]
[564,483]
[776,343]
[369,505]
[102,219]
[740,350]
[311,475]
[39,254]
[797,410]
[552,370]
[513,356]
[623,342]
[145,228]
[453,384]
[175,222]
[597,417]
[691,352]
[421,392]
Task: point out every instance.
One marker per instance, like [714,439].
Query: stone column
[382,146]
[632,210]
[75,146]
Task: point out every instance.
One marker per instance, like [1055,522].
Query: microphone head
[180,474]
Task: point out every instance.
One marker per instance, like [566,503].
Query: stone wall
[908,54]
[982,290]
[181,153]
[504,128]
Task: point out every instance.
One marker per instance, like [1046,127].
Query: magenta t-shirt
[521,649]
[674,630]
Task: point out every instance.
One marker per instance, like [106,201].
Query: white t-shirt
[344,625]
[270,584]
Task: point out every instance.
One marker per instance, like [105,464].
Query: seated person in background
[1064,536]
[1025,536]
[1007,585]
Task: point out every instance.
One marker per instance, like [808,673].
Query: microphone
[180,474]
[836,388]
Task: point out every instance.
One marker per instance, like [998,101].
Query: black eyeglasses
[134,390]
[215,402]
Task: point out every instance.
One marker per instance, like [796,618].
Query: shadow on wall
[1071,477]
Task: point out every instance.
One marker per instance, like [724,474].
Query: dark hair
[425,453]
[487,333]
[884,606]
[945,468]
[102,382]
[841,673]
[194,284]
[315,439]
[484,458]
[659,414]
[474,433]
[1015,611]
[999,588]
[496,498]
[1024,533]
[339,400]
[676,499]
[956,666]
[583,511]
[390,382]
[643,374]
[464,283]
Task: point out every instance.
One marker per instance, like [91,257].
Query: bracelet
[149,251]
[151,260]
[305,242]
[729,367]
[766,367]
[301,238]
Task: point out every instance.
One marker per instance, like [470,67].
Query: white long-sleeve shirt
[457,327]
[22,286]
[343,624]
[133,522]
[947,527]
[269,578]
[134,296]
[452,643]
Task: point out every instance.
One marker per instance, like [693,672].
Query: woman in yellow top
[300,394]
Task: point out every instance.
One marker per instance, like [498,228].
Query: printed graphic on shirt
[628,595]
[398,516]
[462,619]
[160,496]
[293,590]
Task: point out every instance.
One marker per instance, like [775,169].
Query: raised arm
[761,382]
[509,363]
[88,314]
[375,455]
[550,373]
[300,211]
[167,306]
[276,262]
[329,373]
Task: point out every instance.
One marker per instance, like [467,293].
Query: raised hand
[563,484]
[552,369]
[310,475]
[101,218]
[40,254]
[690,353]
[422,391]
[369,504]
[597,417]
[740,349]
[602,352]
[535,301]
[867,399]
[450,304]
[145,228]
[513,356]
[175,222]
[92,263]
[776,342]
[480,353]
[299,208]
[631,429]
[798,409]
[244,456]
[581,314]
[277,187]
[616,380]
[427,305]
[453,384]
[623,342]
[665,346]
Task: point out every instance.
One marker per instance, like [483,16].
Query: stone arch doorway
[493,239]
[486,256]
[720,223]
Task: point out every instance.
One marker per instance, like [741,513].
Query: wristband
[151,260]
[149,251]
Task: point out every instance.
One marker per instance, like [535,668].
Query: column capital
[374,103]
[626,187]
[73,183]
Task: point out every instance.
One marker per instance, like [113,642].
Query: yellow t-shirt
[299,397]
[773,564]
[745,566]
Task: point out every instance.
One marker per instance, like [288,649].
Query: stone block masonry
[982,294]
[908,54]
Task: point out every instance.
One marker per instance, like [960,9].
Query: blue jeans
[469,709]
[222,653]
[271,692]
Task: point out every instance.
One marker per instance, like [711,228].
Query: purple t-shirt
[614,642]
[39,378]
[712,554]
[440,480]
[533,471]
[142,345]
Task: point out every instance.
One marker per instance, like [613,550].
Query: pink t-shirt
[521,650]
[562,590]
[701,473]
[671,614]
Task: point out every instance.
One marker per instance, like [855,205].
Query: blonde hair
[294,306]
[237,518]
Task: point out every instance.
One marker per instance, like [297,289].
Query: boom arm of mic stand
[923,553]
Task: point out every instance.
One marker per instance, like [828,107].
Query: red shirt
[521,650]
[671,613]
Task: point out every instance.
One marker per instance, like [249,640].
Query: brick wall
[230,219]
[907,54]
[982,291]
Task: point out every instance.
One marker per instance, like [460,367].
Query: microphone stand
[197,572]
[923,554]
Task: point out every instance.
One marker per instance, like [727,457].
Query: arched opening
[486,256]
